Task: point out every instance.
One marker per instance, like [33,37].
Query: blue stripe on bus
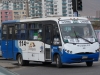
[8,52]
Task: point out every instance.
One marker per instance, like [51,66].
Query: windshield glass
[77,30]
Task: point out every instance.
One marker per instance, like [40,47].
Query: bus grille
[48,54]
[80,59]
[85,53]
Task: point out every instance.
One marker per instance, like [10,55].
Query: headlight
[68,51]
[97,50]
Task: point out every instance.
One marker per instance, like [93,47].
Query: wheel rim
[20,60]
[57,61]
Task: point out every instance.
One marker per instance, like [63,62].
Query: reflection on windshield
[71,30]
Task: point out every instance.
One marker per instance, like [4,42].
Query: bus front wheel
[21,62]
[58,61]
[89,64]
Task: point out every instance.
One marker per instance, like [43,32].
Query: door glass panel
[48,34]
[4,27]
[4,34]
[10,32]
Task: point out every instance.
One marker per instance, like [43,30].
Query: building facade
[6,15]
[40,8]
[19,14]
[43,8]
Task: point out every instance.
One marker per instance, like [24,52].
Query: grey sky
[90,7]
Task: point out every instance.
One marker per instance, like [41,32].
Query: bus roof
[52,18]
[42,19]
[10,21]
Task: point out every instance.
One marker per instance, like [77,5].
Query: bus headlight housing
[97,50]
[68,51]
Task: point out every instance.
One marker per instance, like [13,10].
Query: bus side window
[21,31]
[35,31]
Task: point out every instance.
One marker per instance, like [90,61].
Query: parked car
[4,71]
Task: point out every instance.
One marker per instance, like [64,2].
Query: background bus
[0,43]
[60,40]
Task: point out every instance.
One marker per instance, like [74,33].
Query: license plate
[84,57]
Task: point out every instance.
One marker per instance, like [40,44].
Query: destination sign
[73,21]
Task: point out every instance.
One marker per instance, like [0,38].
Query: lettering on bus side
[22,43]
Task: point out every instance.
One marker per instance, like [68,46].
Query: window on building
[70,12]
[55,2]
[69,5]
[69,8]
[6,13]
[6,16]
[16,13]
[55,12]
[55,9]
[22,12]
[55,6]
[70,15]
[63,0]
[69,1]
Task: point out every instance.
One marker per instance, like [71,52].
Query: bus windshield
[77,31]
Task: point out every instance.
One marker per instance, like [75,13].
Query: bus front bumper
[77,58]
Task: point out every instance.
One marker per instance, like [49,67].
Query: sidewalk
[8,63]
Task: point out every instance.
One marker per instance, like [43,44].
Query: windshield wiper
[84,39]
[76,35]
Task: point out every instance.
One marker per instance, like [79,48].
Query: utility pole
[43,9]
[27,8]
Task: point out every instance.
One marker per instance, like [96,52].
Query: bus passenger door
[4,41]
[47,38]
[10,42]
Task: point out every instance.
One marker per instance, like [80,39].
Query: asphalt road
[40,69]
[69,69]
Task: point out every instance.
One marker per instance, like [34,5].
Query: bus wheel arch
[57,59]
[17,56]
[20,60]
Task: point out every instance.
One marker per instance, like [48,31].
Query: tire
[89,64]
[58,61]
[22,62]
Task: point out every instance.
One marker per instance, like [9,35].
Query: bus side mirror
[57,41]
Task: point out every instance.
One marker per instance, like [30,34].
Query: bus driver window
[56,37]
